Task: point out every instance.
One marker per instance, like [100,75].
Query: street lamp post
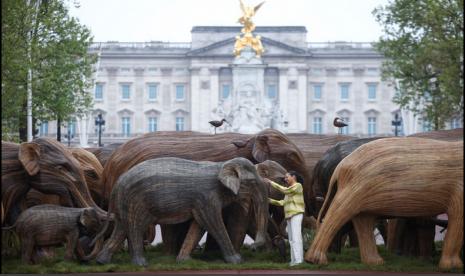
[68,134]
[396,123]
[99,122]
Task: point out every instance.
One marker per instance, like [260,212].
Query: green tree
[423,47]
[61,66]
[15,27]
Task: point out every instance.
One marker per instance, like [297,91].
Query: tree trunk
[22,126]
[58,129]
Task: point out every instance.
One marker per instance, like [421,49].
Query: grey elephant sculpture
[173,190]
[51,225]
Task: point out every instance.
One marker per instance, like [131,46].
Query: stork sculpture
[339,123]
[218,123]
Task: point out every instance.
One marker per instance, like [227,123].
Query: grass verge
[349,259]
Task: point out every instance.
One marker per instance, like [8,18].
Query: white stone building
[159,86]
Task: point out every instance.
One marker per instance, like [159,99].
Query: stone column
[213,97]
[166,118]
[112,102]
[139,89]
[195,99]
[302,97]
[83,130]
[283,93]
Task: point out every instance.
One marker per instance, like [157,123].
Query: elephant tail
[329,195]
[8,228]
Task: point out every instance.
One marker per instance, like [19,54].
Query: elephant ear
[87,216]
[261,149]
[229,177]
[29,154]
[240,143]
[262,170]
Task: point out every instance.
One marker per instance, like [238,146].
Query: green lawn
[348,260]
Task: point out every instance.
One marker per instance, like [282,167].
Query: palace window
[153,124]
[125,91]
[317,92]
[179,92]
[271,91]
[126,126]
[317,125]
[179,123]
[99,91]
[225,91]
[344,92]
[371,91]
[371,125]
[153,92]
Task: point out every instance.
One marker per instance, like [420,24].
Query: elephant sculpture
[268,144]
[173,190]
[322,174]
[51,225]
[394,177]
[92,173]
[47,166]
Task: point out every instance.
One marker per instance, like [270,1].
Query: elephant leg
[364,227]
[394,227]
[27,249]
[236,219]
[340,211]
[173,236]
[71,242]
[136,230]
[338,242]
[425,232]
[112,244]
[193,237]
[453,241]
[212,221]
[353,240]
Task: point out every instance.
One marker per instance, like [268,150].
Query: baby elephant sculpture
[52,225]
[394,177]
[173,190]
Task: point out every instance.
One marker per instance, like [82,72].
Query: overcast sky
[172,20]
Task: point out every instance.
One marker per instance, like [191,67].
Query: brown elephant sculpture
[47,166]
[394,177]
[51,225]
[322,174]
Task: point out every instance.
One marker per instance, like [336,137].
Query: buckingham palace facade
[161,86]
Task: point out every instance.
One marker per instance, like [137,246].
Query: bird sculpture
[218,123]
[339,123]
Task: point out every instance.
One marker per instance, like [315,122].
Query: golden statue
[248,39]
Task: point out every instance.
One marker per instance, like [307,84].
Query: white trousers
[294,232]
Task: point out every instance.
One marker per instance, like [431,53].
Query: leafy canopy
[423,46]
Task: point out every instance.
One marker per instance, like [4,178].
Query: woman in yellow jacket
[294,208]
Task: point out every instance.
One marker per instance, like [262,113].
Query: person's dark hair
[297,176]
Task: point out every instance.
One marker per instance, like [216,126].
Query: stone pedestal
[248,109]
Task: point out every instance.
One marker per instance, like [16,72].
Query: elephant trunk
[97,248]
[260,206]
[98,241]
